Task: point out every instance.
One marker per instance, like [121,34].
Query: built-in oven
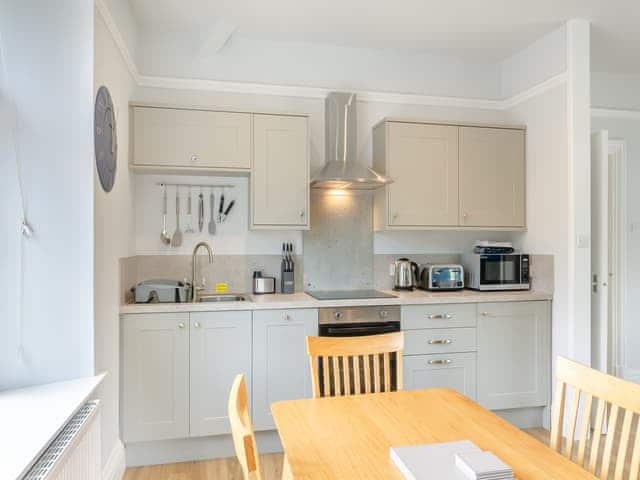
[497,271]
[359,321]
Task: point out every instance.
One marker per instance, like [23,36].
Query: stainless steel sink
[221,297]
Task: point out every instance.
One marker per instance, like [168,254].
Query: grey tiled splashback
[237,270]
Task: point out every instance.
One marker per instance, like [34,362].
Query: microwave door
[500,270]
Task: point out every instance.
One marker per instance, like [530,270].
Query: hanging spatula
[212,220]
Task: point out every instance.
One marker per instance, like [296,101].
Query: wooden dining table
[350,437]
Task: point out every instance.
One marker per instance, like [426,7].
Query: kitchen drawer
[456,370]
[439,340]
[438,316]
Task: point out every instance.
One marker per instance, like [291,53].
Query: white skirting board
[116,463]
[187,449]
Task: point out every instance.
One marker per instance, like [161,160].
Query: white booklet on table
[431,461]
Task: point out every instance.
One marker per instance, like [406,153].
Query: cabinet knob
[301,213]
[287,317]
[196,324]
[485,314]
[464,215]
[338,315]
[181,325]
[394,217]
[195,158]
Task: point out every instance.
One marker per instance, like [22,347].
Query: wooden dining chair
[355,365]
[589,387]
[244,439]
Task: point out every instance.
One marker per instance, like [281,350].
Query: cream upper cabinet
[191,139]
[280,173]
[449,176]
[492,177]
[423,162]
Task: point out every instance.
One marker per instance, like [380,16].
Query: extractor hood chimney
[342,171]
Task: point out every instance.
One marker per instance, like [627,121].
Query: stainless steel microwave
[497,272]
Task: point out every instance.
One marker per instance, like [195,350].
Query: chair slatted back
[356,365]
[593,392]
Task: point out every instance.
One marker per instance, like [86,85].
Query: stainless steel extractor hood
[342,171]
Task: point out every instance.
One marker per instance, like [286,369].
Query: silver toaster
[441,277]
[161,291]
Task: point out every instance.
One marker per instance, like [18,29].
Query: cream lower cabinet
[220,349]
[280,363]
[514,350]
[453,370]
[280,173]
[155,377]
[440,347]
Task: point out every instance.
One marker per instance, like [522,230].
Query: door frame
[617,278]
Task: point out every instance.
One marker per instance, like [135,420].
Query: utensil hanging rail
[195,185]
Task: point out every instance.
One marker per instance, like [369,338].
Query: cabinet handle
[287,317]
[442,341]
[181,325]
[196,324]
[440,316]
[440,362]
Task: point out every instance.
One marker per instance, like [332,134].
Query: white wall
[113,229]
[545,58]
[48,53]
[617,91]
[548,208]
[245,59]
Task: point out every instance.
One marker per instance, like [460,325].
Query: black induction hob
[348,294]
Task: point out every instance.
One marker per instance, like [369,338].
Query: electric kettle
[405,273]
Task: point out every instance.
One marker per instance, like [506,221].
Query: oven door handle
[364,330]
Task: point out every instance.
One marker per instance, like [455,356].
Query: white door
[280,363]
[280,175]
[220,350]
[599,250]
[155,376]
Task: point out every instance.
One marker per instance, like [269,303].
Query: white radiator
[75,452]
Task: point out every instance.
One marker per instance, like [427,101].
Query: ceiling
[479,31]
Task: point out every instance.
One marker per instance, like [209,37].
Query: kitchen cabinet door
[423,162]
[220,350]
[280,363]
[492,177]
[280,175]
[155,372]
[514,350]
[453,370]
[191,139]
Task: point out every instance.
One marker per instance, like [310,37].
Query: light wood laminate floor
[229,468]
